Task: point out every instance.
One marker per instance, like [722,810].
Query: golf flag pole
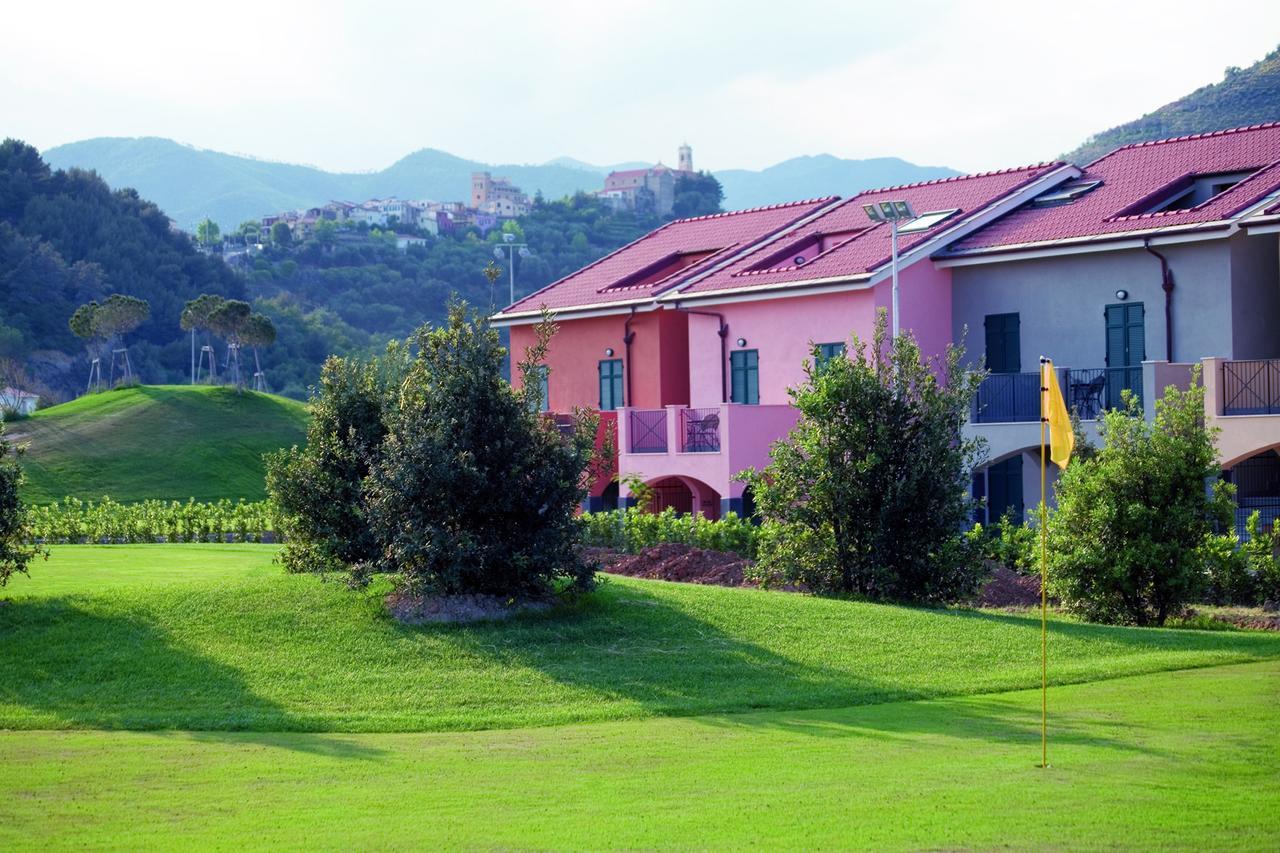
[1061,441]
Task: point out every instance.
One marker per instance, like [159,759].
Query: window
[925,221]
[1065,194]
[744,367]
[1004,343]
[611,384]
[826,352]
[541,374]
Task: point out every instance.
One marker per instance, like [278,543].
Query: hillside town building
[651,190]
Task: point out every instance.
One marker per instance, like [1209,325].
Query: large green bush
[1127,542]
[433,467]
[869,493]
[107,522]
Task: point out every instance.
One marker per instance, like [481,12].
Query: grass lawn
[166,441]
[1184,760]
[214,637]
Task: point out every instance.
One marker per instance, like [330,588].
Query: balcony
[709,444]
[1011,398]
[1251,387]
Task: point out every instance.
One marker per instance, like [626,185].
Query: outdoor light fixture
[742,342]
[892,211]
[608,351]
[507,250]
[1122,295]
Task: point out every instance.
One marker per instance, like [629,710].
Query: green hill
[1245,96]
[169,442]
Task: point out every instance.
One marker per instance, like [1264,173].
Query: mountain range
[190,183]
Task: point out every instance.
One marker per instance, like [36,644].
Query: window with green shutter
[1004,343]
[1004,490]
[611,384]
[1126,348]
[744,369]
[826,352]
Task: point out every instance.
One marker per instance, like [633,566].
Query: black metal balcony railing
[1251,387]
[1086,392]
[1008,398]
[699,430]
[647,431]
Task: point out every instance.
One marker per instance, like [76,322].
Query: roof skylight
[1065,194]
[925,221]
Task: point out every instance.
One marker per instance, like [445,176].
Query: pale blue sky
[354,86]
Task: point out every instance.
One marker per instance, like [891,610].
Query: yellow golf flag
[1054,409]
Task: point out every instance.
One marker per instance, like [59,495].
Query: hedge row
[109,522]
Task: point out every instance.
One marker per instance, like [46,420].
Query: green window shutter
[1004,342]
[611,384]
[1126,348]
[745,376]
[1004,489]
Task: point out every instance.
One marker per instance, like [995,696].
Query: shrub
[1228,579]
[16,549]
[318,489]
[869,493]
[432,466]
[1010,544]
[475,491]
[1126,541]
[1262,559]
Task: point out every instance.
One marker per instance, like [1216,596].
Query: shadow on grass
[136,686]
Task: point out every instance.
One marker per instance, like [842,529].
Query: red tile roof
[848,244]
[1142,174]
[681,249]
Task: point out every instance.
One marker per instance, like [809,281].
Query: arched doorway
[1257,482]
[684,495]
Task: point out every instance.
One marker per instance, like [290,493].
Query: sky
[353,86]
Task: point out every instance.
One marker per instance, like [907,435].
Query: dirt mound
[682,563]
[1007,588]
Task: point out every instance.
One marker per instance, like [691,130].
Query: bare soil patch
[671,562]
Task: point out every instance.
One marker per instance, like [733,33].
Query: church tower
[686,158]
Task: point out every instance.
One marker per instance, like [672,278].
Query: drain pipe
[627,337]
[723,332]
[1166,282]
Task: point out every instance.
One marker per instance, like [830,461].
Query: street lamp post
[892,212]
[507,250]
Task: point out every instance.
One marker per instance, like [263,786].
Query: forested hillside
[1245,96]
[65,239]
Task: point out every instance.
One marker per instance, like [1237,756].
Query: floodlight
[903,209]
[497,252]
[508,237]
[872,213]
[887,211]
[524,252]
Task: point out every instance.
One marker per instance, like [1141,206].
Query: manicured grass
[116,637]
[166,442]
[1183,760]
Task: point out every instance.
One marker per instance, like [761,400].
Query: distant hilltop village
[493,199]
[651,190]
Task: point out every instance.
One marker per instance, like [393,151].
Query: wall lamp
[742,342]
[1122,295]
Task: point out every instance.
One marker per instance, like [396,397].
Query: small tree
[280,234]
[228,321]
[868,495]
[474,492]
[208,234]
[1126,543]
[258,331]
[16,548]
[197,317]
